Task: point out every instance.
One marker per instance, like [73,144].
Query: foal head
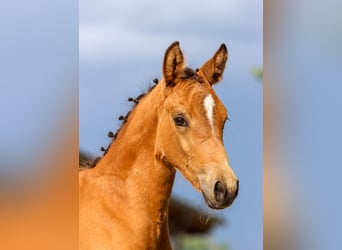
[190,126]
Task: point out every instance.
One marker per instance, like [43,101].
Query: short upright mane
[189,73]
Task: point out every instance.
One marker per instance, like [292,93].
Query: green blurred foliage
[257,72]
[199,242]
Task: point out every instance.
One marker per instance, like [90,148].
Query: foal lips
[216,205]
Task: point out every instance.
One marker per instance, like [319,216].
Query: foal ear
[214,67]
[173,63]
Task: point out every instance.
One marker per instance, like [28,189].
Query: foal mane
[188,73]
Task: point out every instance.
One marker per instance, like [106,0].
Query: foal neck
[135,145]
[132,159]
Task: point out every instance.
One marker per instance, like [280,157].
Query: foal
[178,125]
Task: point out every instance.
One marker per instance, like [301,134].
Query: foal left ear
[213,69]
[173,64]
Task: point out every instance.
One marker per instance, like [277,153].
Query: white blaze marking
[209,104]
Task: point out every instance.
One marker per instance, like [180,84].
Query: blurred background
[122,46]
[39,124]
[302,125]
[302,138]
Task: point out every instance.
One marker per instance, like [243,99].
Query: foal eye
[180,121]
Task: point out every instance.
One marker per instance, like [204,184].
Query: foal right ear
[213,69]
[173,64]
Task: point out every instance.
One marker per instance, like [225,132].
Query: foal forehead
[213,106]
[196,92]
[209,105]
[202,99]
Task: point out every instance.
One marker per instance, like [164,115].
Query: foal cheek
[184,146]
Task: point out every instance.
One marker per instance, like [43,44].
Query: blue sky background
[121,49]
[303,58]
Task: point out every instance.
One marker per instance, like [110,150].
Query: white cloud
[103,42]
[117,30]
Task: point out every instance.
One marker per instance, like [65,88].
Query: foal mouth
[215,205]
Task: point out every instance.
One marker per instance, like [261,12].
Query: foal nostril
[220,192]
